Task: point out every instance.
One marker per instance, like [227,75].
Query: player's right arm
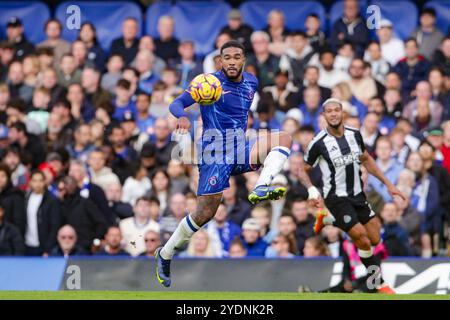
[311,156]
[177,109]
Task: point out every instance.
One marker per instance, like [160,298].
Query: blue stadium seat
[199,21]
[337,10]
[442,14]
[33,14]
[106,16]
[255,12]
[402,13]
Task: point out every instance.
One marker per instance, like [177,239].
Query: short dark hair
[123,83]
[19,126]
[412,40]
[233,44]
[298,33]
[18,104]
[53,20]
[429,11]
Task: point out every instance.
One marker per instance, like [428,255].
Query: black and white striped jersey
[338,159]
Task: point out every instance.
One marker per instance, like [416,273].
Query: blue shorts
[214,178]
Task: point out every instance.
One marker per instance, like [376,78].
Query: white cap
[295,114]
[385,23]
[251,224]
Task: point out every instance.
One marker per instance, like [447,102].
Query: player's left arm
[369,163]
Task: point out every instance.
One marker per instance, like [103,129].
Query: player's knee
[363,243]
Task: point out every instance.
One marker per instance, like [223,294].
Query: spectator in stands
[28,144]
[280,248]
[379,65]
[445,148]
[362,87]
[303,222]
[80,54]
[81,109]
[427,35]
[19,172]
[329,76]
[208,62]
[333,236]
[82,145]
[166,44]
[263,215]
[387,121]
[152,241]
[315,247]
[7,52]
[123,103]
[345,55]
[144,65]
[90,81]
[88,35]
[117,140]
[45,56]
[89,190]
[423,98]
[60,46]
[134,228]
[439,91]
[127,45]
[136,185]
[146,43]
[39,108]
[15,81]
[277,31]
[316,37]
[120,209]
[238,29]
[412,68]
[370,132]
[311,108]
[16,36]
[172,216]
[200,246]
[284,95]
[49,80]
[237,249]
[67,243]
[311,78]
[441,57]
[392,48]
[99,173]
[11,241]
[31,70]
[388,165]
[68,72]
[253,243]
[298,56]
[395,238]
[43,217]
[425,198]
[428,154]
[266,64]
[161,139]
[351,27]
[144,120]
[238,210]
[113,243]
[114,68]
[187,65]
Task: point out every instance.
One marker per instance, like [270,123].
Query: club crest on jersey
[212,181]
[346,159]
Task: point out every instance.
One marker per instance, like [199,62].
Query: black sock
[373,273]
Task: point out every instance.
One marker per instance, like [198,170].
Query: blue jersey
[224,151]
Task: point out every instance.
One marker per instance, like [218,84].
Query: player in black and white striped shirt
[339,151]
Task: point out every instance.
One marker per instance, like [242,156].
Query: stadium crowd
[86,143]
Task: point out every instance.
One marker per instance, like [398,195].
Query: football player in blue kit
[225,151]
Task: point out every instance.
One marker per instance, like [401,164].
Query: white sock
[273,164]
[179,238]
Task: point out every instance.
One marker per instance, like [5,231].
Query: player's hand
[183,125]
[314,197]
[393,191]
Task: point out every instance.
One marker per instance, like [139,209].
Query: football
[205,89]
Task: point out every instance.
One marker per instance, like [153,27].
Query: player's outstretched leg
[279,147]
[207,207]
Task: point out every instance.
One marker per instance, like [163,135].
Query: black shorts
[349,211]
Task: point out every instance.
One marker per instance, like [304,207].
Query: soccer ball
[205,89]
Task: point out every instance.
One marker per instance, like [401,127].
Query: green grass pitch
[141,295]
